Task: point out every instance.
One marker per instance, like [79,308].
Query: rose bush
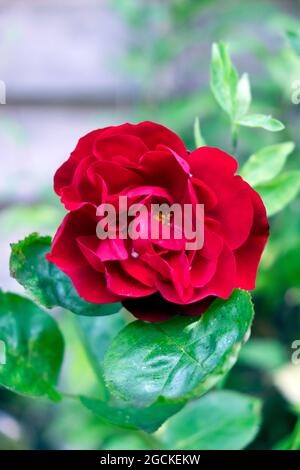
[146,374]
[156,278]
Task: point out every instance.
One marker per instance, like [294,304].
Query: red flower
[156,279]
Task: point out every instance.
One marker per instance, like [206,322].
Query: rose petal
[138,270]
[155,134]
[224,280]
[122,284]
[67,256]
[205,195]
[170,174]
[205,159]
[116,176]
[202,270]
[248,255]
[92,287]
[83,189]
[88,245]
[213,242]
[64,246]
[234,209]
[84,147]
[129,147]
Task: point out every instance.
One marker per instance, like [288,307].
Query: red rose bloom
[156,278]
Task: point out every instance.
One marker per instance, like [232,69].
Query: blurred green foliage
[169,58]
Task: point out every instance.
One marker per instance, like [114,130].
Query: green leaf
[149,419]
[294,40]
[48,284]
[261,120]
[98,333]
[199,140]
[280,191]
[34,347]
[178,359]
[222,420]
[243,96]
[224,79]
[267,163]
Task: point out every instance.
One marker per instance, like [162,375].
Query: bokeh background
[74,65]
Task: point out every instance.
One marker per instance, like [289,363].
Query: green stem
[150,440]
[91,358]
[234,137]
